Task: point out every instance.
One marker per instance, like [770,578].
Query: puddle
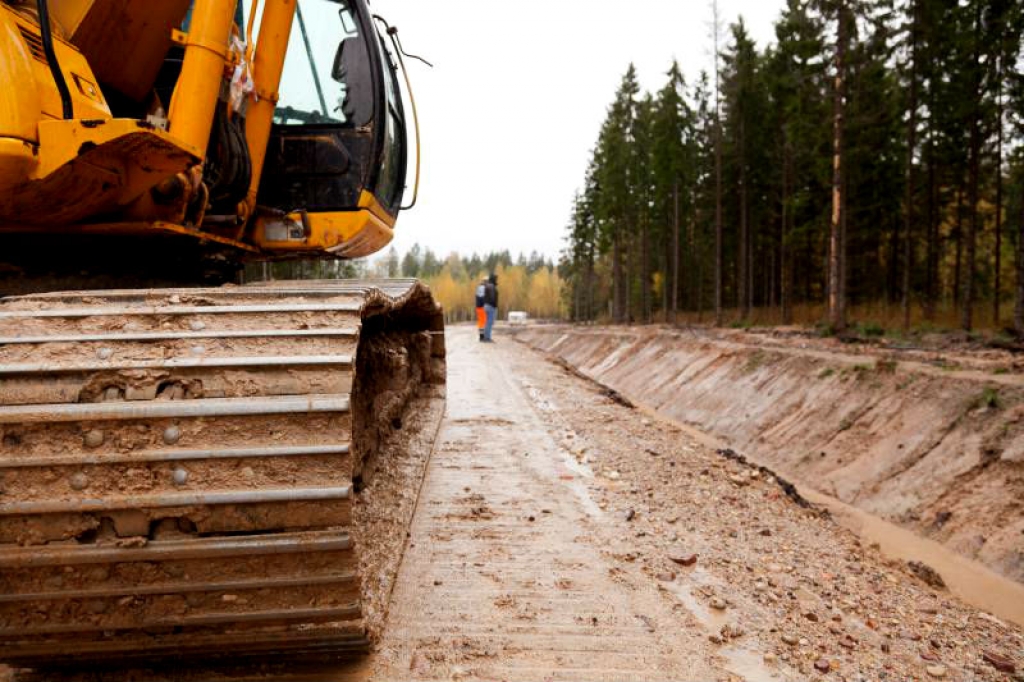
[740,660]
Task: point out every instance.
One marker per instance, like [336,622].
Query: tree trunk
[1018,309]
[932,255]
[908,213]
[645,269]
[835,304]
[675,252]
[743,262]
[786,284]
[719,270]
[618,286]
[997,288]
[958,230]
[967,312]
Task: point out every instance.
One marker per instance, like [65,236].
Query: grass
[885,366]
[869,320]
[988,398]
[826,373]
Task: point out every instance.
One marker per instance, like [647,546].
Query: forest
[866,165]
[527,283]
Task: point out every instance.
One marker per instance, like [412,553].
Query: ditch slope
[932,440]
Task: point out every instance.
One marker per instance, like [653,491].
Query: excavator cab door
[339,129]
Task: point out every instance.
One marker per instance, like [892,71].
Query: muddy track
[179,467]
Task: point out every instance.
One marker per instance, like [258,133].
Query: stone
[822,665]
[683,559]
[999,662]
[172,434]
[790,639]
[93,438]
[718,604]
[179,476]
[927,574]
[770,657]
[79,481]
[630,515]
[666,577]
[936,671]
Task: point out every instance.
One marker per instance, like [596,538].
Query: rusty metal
[182,336]
[174,500]
[173,409]
[228,646]
[183,588]
[311,615]
[178,550]
[178,310]
[179,363]
[150,456]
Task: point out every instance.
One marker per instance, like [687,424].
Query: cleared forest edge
[932,441]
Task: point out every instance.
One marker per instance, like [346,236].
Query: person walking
[490,306]
[481,314]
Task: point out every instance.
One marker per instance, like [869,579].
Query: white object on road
[517,317]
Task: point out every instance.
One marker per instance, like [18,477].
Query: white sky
[516,98]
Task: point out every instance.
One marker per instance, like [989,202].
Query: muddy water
[970,580]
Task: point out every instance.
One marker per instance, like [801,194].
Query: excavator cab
[338,144]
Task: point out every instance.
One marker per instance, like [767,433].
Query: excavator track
[178,467]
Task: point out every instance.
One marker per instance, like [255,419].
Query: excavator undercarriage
[179,466]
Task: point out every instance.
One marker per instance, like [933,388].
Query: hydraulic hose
[46,34]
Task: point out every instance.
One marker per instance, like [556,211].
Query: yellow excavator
[182,456]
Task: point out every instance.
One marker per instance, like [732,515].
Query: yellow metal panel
[352,234]
[18,113]
[125,41]
[70,13]
[87,99]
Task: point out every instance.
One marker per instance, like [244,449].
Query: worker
[490,305]
[481,314]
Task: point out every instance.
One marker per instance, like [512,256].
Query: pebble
[770,657]
[666,577]
[93,439]
[197,325]
[822,665]
[104,353]
[937,671]
[684,559]
[172,434]
[79,481]
[999,662]
[790,639]
[718,604]
[630,515]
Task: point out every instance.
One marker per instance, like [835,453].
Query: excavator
[182,455]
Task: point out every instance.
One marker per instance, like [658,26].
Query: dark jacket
[491,294]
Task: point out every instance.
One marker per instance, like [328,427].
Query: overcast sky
[517,96]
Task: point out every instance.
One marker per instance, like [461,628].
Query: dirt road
[555,539]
